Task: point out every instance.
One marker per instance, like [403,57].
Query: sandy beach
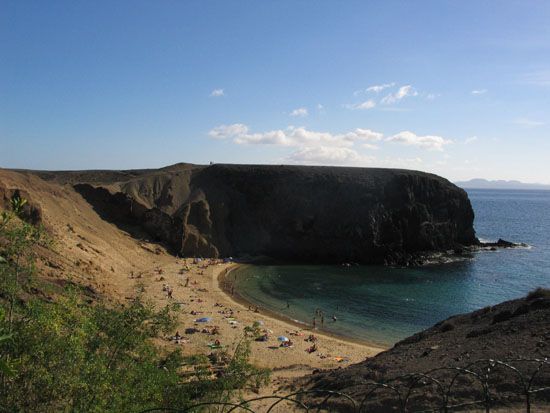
[196,289]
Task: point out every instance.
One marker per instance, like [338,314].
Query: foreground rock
[513,330]
[294,213]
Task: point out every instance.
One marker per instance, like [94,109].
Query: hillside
[291,213]
[510,331]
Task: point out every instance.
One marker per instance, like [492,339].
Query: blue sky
[461,89]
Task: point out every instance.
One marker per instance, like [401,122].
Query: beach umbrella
[203,320]
[282,338]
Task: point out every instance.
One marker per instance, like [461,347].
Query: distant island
[499,184]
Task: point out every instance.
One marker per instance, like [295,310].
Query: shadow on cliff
[118,209]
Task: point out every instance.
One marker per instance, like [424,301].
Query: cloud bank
[325,148]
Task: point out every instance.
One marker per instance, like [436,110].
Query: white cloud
[275,137]
[369,104]
[228,131]
[401,93]
[470,139]
[327,155]
[294,136]
[528,123]
[320,107]
[300,112]
[217,93]
[347,157]
[323,155]
[430,142]
[362,135]
[379,88]
[369,146]
[325,148]
[479,91]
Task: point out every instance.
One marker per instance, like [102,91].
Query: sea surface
[382,305]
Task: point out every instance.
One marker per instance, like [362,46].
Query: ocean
[383,305]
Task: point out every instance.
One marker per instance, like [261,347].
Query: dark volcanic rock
[502,244]
[510,331]
[293,213]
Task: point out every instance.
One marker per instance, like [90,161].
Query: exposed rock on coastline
[513,330]
[501,243]
[293,213]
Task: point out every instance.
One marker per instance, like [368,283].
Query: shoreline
[220,277]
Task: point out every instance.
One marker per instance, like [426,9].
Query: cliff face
[294,213]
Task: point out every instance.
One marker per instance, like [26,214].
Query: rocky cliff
[292,213]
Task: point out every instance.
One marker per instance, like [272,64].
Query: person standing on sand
[314,322]
[187,282]
[322,320]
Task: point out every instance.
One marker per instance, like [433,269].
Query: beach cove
[204,298]
[385,304]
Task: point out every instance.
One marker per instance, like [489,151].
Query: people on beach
[177,337]
[287,343]
[312,349]
[314,322]
[263,337]
[334,318]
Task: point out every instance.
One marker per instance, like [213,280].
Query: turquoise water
[383,305]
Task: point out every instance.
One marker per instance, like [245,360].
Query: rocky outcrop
[293,213]
[511,331]
[30,211]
